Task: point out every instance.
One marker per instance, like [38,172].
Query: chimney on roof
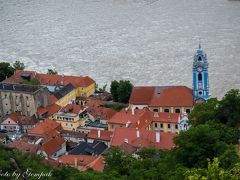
[132,111]
[138,132]
[157,136]
[99,133]
[156,114]
[128,124]
[75,162]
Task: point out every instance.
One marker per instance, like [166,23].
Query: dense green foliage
[116,107]
[100,89]
[17,65]
[32,81]
[6,70]
[121,90]
[52,71]
[226,111]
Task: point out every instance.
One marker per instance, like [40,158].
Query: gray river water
[149,42]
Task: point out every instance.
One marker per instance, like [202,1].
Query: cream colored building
[69,117]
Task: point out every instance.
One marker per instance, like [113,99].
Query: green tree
[124,91]
[213,172]
[229,108]
[6,70]
[114,90]
[32,81]
[17,65]
[52,71]
[204,112]
[198,144]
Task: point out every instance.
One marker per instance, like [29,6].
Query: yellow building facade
[69,121]
[86,91]
[165,127]
[71,96]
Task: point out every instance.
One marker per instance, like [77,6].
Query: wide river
[149,42]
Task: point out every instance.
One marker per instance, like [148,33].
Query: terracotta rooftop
[72,108]
[164,96]
[93,102]
[123,117]
[23,146]
[128,148]
[52,145]
[104,135]
[101,112]
[145,138]
[22,120]
[46,128]
[51,79]
[83,161]
[147,117]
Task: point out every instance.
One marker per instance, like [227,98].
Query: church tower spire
[200,76]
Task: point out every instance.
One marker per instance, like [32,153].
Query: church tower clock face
[199,69]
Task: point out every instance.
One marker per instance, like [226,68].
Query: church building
[200,76]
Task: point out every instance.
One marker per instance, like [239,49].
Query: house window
[169,126]
[66,124]
[8,122]
[71,125]
[161,125]
[177,111]
[166,110]
[200,93]
[155,110]
[156,125]
[176,126]
[188,111]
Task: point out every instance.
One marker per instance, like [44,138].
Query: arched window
[200,77]
[199,58]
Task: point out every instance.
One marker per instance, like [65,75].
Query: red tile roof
[50,109]
[53,99]
[146,118]
[72,108]
[22,120]
[103,113]
[94,162]
[51,79]
[128,148]
[23,146]
[93,103]
[41,110]
[163,96]
[123,117]
[104,135]
[45,128]
[52,145]
[141,95]
[146,138]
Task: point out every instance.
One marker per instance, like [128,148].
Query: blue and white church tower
[200,76]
